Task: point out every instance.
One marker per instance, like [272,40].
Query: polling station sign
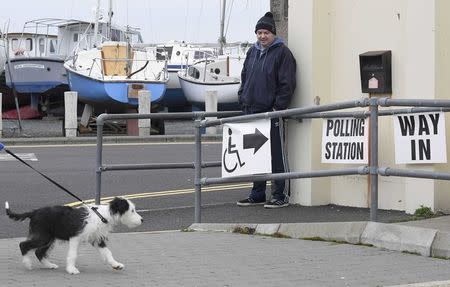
[344,140]
[420,138]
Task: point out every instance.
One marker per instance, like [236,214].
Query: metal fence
[101,119]
[323,111]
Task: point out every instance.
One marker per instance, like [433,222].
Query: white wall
[326,37]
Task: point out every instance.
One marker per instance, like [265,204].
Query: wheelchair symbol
[231,150]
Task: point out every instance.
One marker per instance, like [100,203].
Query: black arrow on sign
[255,140]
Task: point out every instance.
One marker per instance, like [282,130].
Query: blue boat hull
[36,75]
[174,98]
[96,92]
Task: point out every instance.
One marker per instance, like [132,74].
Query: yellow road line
[166,193]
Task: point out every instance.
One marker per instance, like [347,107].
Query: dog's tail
[16,216]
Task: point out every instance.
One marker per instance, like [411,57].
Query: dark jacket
[267,79]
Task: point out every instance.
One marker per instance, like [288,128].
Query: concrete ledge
[267,229]
[399,237]
[426,284]
[331,231]
[220,227]
[441,245]
[423,241]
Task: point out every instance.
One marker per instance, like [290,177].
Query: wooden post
[211,106]
[144,108]
[369,160]
[70,113]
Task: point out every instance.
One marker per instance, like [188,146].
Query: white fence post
[1,120]
[70,113]
[211,106]
[144,125]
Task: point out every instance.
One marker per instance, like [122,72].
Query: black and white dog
[74,225]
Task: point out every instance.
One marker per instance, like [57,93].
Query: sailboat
[220,74]
[35,57]
[180,55]
[110,75]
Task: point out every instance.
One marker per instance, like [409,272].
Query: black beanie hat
[266,22]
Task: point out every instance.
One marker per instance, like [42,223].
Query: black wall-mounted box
[375,70]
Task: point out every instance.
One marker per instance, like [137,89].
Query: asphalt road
[165,198]
[74,168]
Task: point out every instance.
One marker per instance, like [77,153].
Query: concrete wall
[279,10]
[326,37]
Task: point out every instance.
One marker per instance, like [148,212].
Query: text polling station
[344,140]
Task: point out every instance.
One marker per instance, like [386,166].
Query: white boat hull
[195,91]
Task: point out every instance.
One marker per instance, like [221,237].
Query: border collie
[75,225]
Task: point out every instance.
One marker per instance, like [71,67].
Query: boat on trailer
[180,55]
[35,64]
[109,77]
[221,74]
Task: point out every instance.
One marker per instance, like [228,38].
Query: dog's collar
[95,209]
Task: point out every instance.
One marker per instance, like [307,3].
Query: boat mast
[97,16]
[110,15]
[222,39]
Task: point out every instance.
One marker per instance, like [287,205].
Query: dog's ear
[119,205]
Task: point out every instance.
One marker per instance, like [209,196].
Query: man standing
[267,84]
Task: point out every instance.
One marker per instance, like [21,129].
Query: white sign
[246,148]
[373,83]
[420,138]
[26,66]
[344,140]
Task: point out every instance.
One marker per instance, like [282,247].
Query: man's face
[265,37]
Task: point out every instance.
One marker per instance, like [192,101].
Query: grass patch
[244,230]
[279,235]
[314,238]
[424,212]
[441,257]
[364,244]
[410,252]
[187,229]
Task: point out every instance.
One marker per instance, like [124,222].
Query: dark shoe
[250,202]
[276,203]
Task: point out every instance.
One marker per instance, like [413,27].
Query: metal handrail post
[198,172]
[373,168]
[98,170]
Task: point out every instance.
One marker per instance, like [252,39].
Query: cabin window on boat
[29,44]
[115,35]
[193,72]
[75,37]
[14,44]
[161,52]
[199,55]
[52,47]
[41,46]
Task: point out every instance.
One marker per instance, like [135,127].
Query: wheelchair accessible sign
[246,148]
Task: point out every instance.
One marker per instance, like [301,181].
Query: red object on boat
[26,113]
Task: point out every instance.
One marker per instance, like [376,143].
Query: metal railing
[327,111]
[101,167]
[323,111]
